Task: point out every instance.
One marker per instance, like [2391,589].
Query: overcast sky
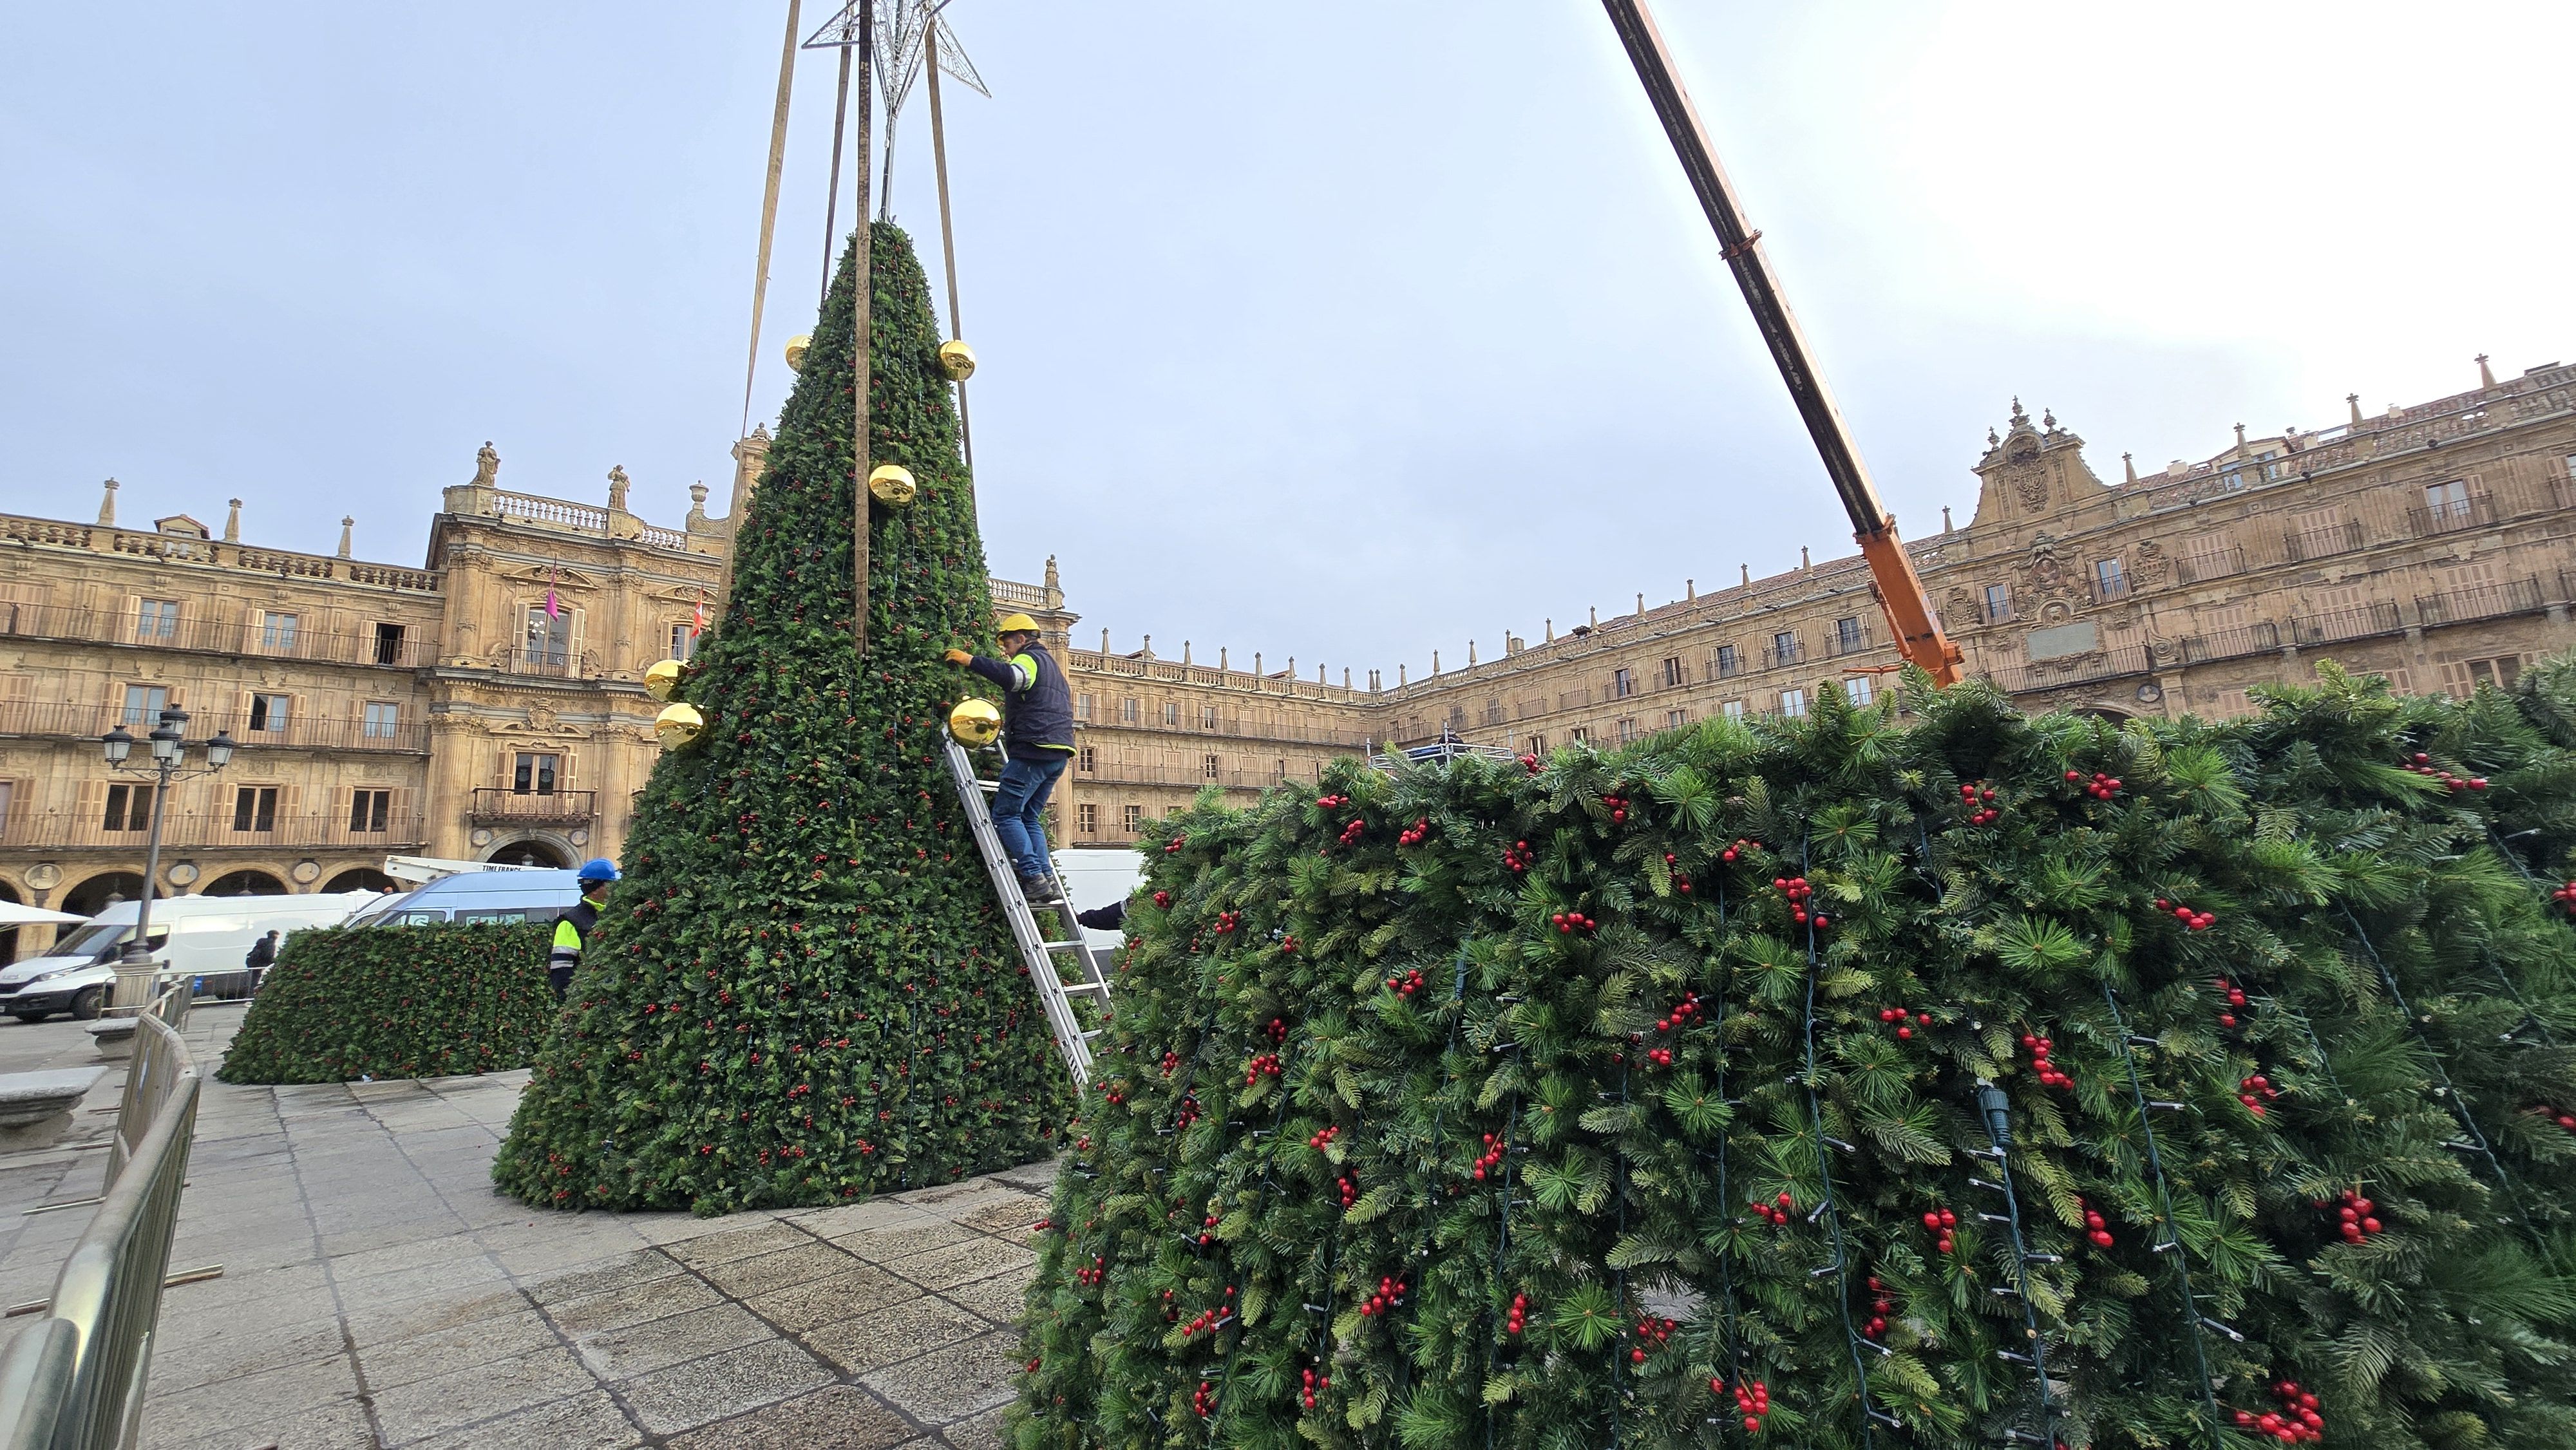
[1347,330]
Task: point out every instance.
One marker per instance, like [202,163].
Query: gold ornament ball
[796,348]
[975,722]
[892,484]
[957,360]
[662,679]
[677,725]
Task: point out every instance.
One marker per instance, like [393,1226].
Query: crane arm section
[1900,590]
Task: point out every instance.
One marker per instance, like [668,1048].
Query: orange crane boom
[1900,590]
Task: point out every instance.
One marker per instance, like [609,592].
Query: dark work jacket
[263,953]
[1037,718]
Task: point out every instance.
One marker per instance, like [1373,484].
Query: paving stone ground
[377,1293]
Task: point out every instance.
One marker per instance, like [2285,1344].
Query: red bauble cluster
[1171,1063]
[1415,834]
[1942,1221]
[1264,1065]
[2040,1048]
[1744,846]
[1518,1319]
[2297,1420]
[1492,1155]
[1530,764]
[1979,799]
[1681,881]
[1618,805]
[2101,787]
[2235,1001]
[2096,1227]
[2422,764]
[1314,1382]
[1651,1335]
[1173,846]
[2353,1214]
[1203,1399]
[1324,1137]
[1880,1306]
[1776,1211]
[2560,1116]
[1799,893]
[1569,922]
[1353,830]
[1087,1277]
[1227,921]
[2191,920]
[1389,1295]
[1518,858]
[1898,1016]
[1163,899]
[2255,1091]
[1332,802]
[1753,1397]
[1405,983]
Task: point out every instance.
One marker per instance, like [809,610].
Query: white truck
[204,937]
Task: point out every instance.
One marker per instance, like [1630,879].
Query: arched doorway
[102,891]
[361,878]
[527,853]
[246,883]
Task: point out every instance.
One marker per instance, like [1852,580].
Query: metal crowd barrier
[74,1379]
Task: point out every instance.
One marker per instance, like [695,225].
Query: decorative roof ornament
[2048,419]
[2020,419]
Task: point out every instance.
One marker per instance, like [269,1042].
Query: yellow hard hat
[1016,624]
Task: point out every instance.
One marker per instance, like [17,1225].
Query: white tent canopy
[13,914]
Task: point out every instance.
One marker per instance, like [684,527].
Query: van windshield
[99,941]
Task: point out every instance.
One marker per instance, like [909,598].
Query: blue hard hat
[598,868]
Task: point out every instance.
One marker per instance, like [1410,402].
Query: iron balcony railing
[2129,659]
[2484,601]
[1726,667]
[75,1379]
[405,647]
[2211,564]
[2301,545]
[307,732]
[2451,515]
[1775,657]
[2334,625]
[495,806]
[1839,645]
[2222,644]
[212,828]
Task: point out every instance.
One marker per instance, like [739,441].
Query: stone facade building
[445,711]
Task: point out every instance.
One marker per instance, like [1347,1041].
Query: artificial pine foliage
[803,990]
[1634,1100]
[398,1001]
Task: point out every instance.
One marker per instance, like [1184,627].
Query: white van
[205,937]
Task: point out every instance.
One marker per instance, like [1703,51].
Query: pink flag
[698,621]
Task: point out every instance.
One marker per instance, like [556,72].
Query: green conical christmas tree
[804,989]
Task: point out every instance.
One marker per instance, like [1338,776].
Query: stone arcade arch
[528,851]
[362,878]
[245,883]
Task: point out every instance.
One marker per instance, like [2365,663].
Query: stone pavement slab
[378,1295]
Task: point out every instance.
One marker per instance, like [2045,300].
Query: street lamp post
[134,972]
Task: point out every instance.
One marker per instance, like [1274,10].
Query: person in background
[1037,740]
[263,955]
[573,928]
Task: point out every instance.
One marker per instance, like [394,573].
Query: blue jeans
[1016,806]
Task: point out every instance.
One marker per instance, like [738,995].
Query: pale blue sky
[1345,331]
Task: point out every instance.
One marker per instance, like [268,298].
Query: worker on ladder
[573,928]
[1037,740]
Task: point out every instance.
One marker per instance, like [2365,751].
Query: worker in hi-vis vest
[1037,740]
[573,927]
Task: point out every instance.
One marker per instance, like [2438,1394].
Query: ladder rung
[1060,946]
[1094,1032]
[1084,986]
[989,787]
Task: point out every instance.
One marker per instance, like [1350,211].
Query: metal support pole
[832,197]
[862,338]
[947,232]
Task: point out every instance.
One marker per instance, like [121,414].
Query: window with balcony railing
[268,713]
[1847,634]
[1672,672]
[1729,663]
[2110,581]
[369,810]
[1622,684]
[144,704]
[129,808]
[383,719]
[277,632]
[1793,703]
[156,619]
[1998,603]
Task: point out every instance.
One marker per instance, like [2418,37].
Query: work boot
[1039,888]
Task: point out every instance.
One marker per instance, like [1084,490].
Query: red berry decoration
[1517,857]
[1354,830]
[2097,1229]
[1567,923]
[2296,1422]
[1618,805]
[2042,1064]
[1163,898]
[1264,1065]
[1517,1319]
[1173,846]
[1752,1398]
[1651,1334]
[2100,786]
[2565,896]
[1314,1382]
[1979,799]
[1799,895]
[1941,1222]
[1492,1155]
[1414,834]
[1324,1138]
[2353,1216]
[2560,1116]
[1743,846]
[2255,1091]
[1204,1399]
[1404,984]
[1227,921]
[2233,996]
[1530,764]
[1776,1212]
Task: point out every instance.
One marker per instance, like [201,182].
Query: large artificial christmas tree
[1967,1080]
[803,990]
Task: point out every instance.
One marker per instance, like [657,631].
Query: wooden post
[863,332]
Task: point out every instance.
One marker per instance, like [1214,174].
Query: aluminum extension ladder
[1056,994]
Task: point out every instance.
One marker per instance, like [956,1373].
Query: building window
[1173,812]
[1128,713]
[1784,646]
[1086,817]
[1171,714]
[1082,707]
[1207,717]
[1847,633]
[276,631]
[2447,503]
[1672,672]
[129,808]
[2108,580]
[1135,820]
[389,644]
[157,619]
[535,774]
[1090,760]
[255,808]
[1676,719]
[1734,710]
[1279,771]
[1535,745]
[684,642]
[383,717]
[549,637]
[1211,766]
[1627,728]
[144,704]
[1793,703]
[1857,689]
[1729,663]
[1622,684]
[1998,603]
[268,713]
[369,808]
[1582,735]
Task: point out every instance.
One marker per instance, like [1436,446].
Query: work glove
[958,657]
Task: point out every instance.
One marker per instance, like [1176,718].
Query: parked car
[540,896]
[204,937]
